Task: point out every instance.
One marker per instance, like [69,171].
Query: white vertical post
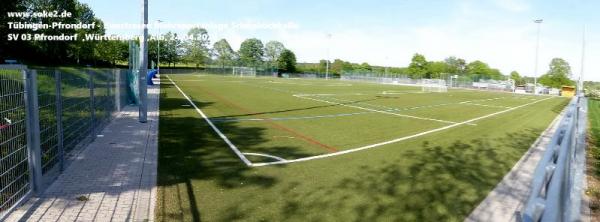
[158,43]
[580,84]
[143,109]
[327,59]
[537,51]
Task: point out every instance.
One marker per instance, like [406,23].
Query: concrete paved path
[505,203]
[113,179]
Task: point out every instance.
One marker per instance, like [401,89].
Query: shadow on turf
[298,109]
[436,183]
[189,150]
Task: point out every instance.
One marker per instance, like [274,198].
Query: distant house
[567,91]
[521,89]
[554,91]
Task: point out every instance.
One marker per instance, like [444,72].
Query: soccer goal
[434,85]
[244,71]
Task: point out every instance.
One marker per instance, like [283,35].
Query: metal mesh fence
[76,107]
[227,70]
[48,118]
[14,168]
[46,115]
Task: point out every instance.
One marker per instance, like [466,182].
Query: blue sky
[499,32]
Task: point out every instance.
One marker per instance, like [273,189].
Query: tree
[196,48]
[153,43]
[112,51]
[223,52]
[11,49]
[172,48]
[514,75]
[560,67]
[251,52]
[483,70]
[273,50]
[478,67]
[495,74]
[336,67]
[286,61]
[455,65]
[364,67]
[558,75]
[435,69]
[86,50]
[418,67]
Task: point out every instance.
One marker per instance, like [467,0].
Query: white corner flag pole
[143,109]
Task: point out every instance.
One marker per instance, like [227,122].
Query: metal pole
[327,59]
[59,126]
[580,87]
[109,82]
[33,131]
[537,50]
[92,106]
[158,43]
[116,73]
[143,109]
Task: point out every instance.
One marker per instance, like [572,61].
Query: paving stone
[507,200]
[117,173]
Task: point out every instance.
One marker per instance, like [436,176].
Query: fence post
[117,77]
[92,109]
[59,126]
[33,131]
[107,105]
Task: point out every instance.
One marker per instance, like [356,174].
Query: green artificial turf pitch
[331,150]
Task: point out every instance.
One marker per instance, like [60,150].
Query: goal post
[244,71]
[434,85]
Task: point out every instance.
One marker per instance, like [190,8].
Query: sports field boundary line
[306,138]
[289,118]
[231,145]
[375,110]
[484,105]
[265,155]
[397,139]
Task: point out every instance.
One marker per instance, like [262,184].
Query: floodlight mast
[142,84]
[158,43]
[580,83]
[327,59]
[537,51]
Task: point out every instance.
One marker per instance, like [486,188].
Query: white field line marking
[288,137]
[368,104]
[479,100]
[378,111]
[191,80]
[387,108]
[398,139]
[231,145]
[265,155]
[492,106]
[309,84]
[401,92]
[333,94]
[287,118]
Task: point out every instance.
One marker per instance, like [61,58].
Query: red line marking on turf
[305,138]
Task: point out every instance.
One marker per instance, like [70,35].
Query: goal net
[434,85]
[244,71]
